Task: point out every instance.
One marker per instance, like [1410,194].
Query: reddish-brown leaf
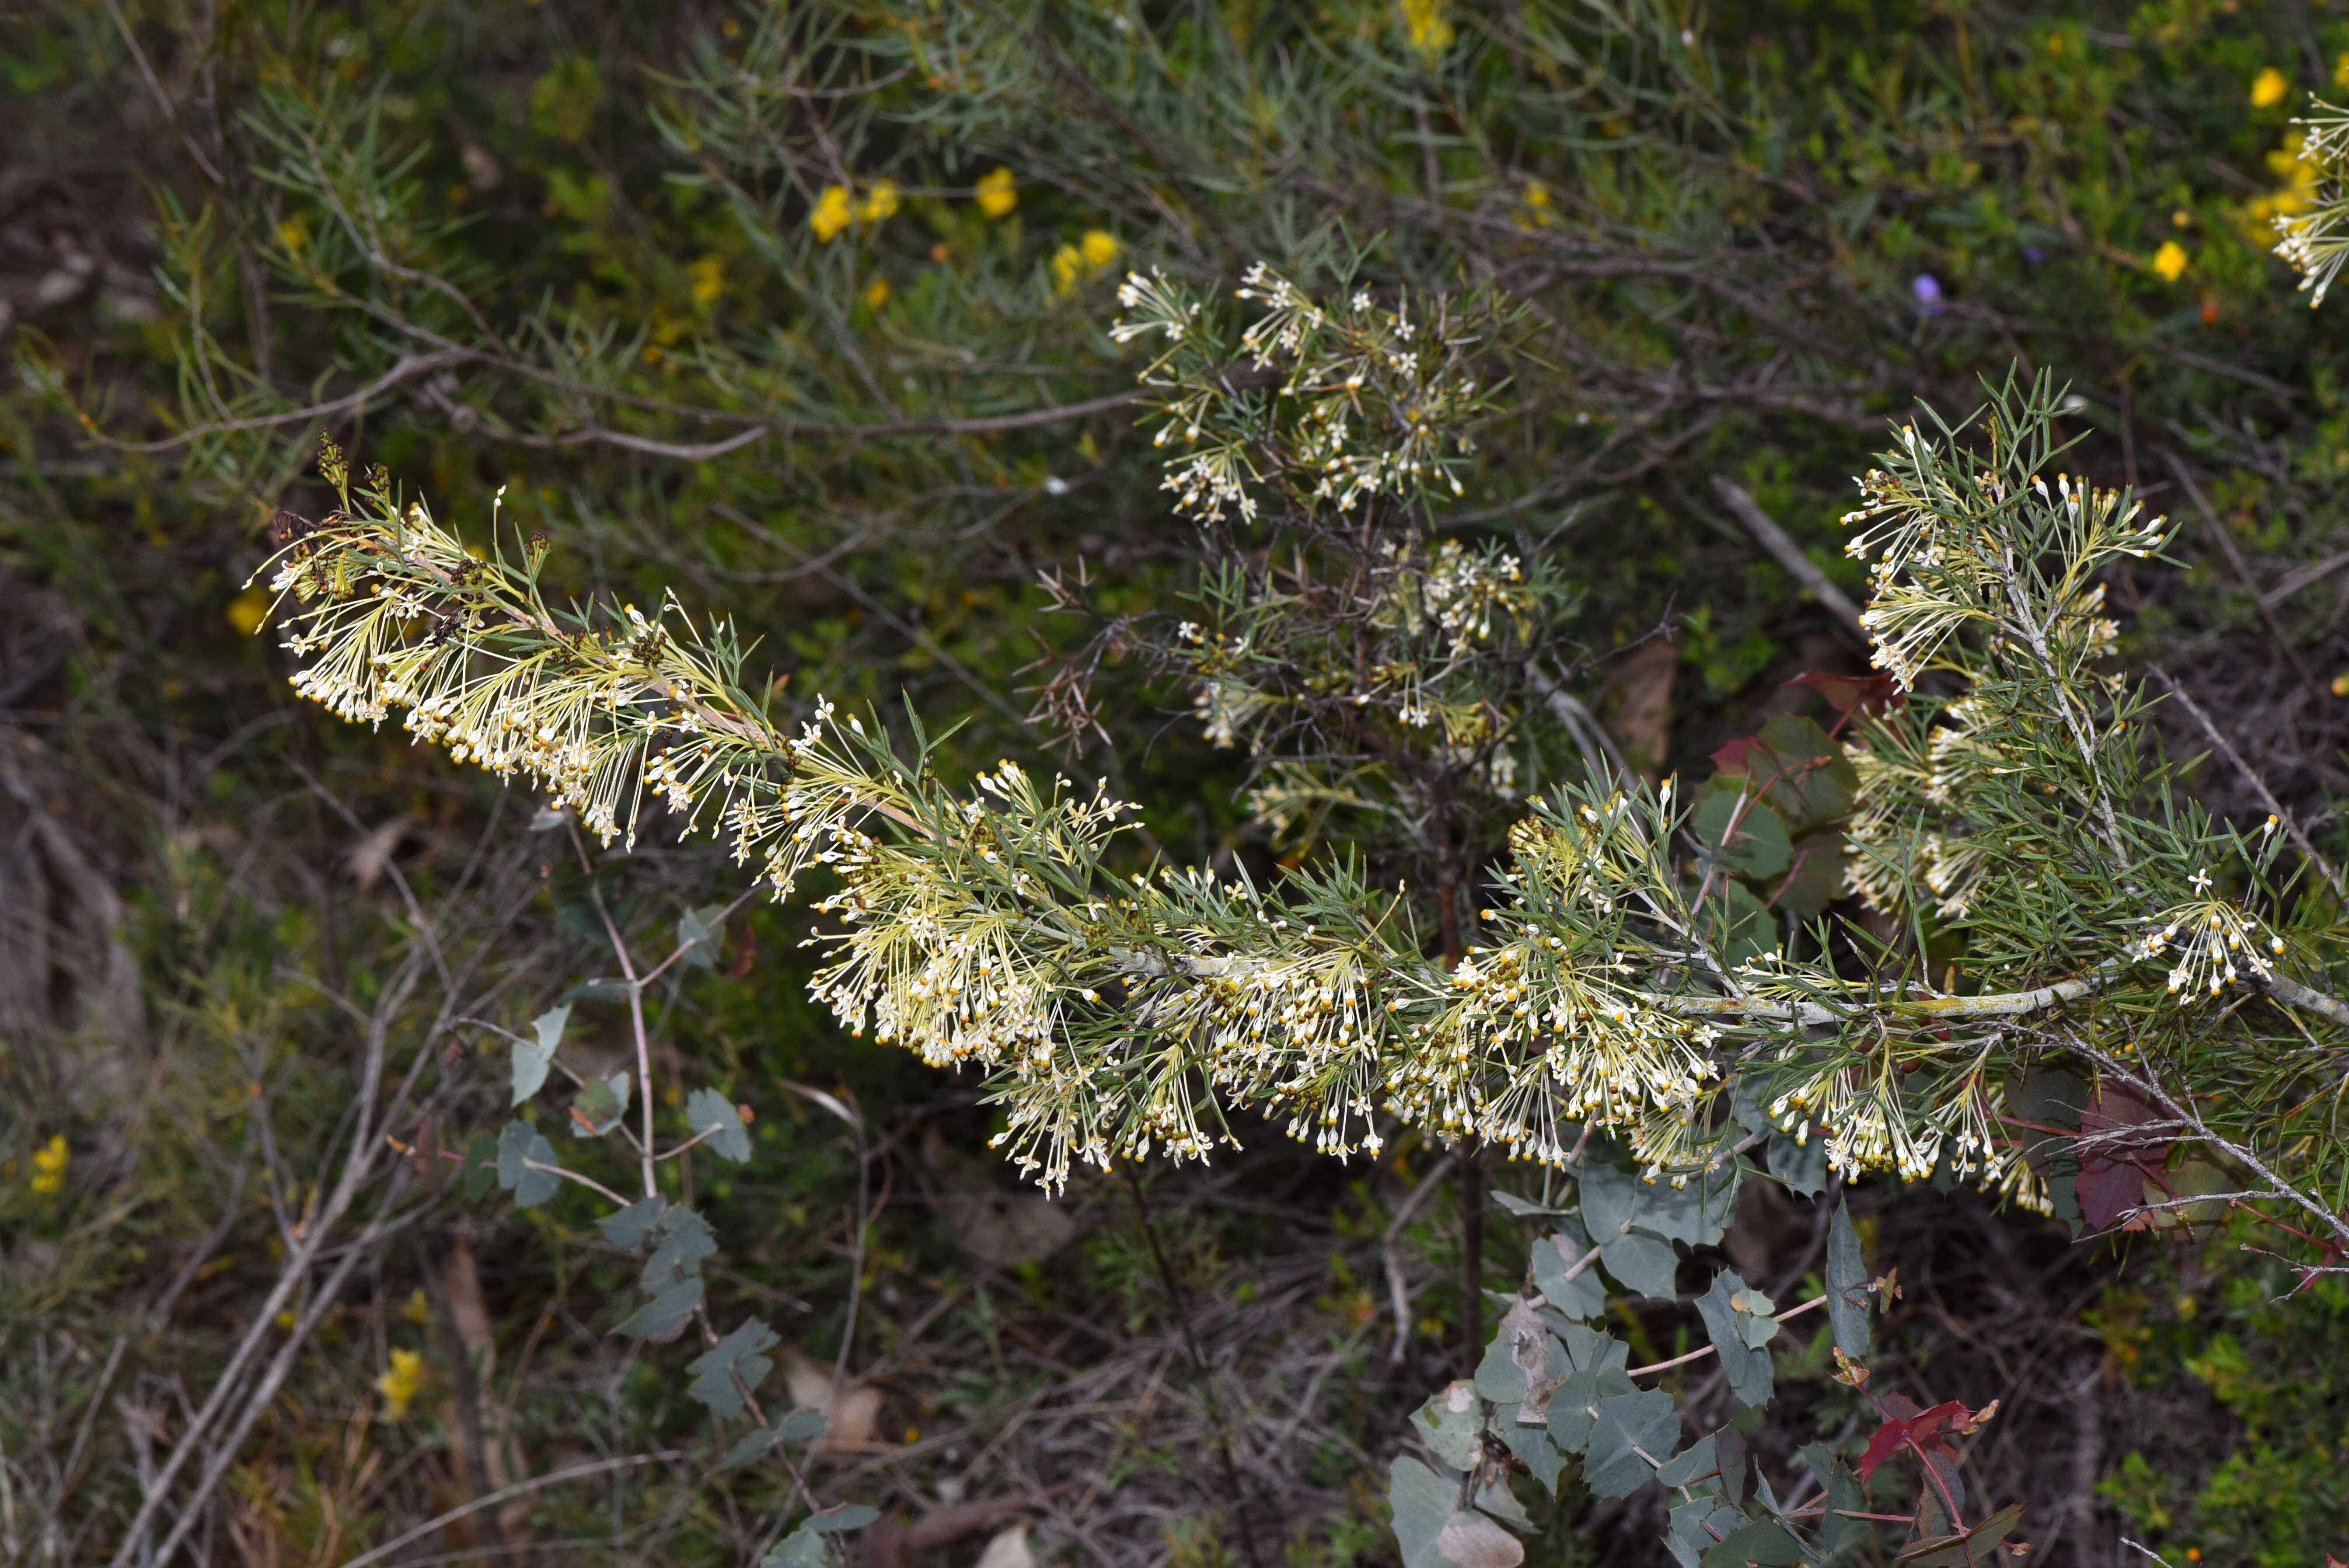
[1846,694]
[2112,1177]
[1928,1431]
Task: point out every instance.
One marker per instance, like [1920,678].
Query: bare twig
[1786,553]
[1391,1251]
[575,1473]
[2259,784]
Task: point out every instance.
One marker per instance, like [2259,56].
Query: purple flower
[2033,255]
[1928,290]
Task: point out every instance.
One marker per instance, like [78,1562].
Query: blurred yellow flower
[878,295]
[1426,26]
[2341,70]
[996,192]
[881,203]
[831,214]
[247,611]
[1089,257]
[2169,261]
[708,275]
[293,234]
[399,1385]
[49,1164]
[2268,88]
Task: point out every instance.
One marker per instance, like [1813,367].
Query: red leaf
[1846,694]
[2112,1179]
[1730,759]
[1928,1429]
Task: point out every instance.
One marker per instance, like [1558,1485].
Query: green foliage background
[567,251]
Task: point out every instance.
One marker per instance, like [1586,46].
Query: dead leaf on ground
[1009,1549]
[371,855]
[995,1226]
[849,1413]
[1642,706]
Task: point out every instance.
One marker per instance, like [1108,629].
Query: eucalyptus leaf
[751,1446]
[520,1148]
[1534,1447]
[1420,1505]
[807,1421]
[600,1104]
[1524,1208]
[1584,1296]
[1518,1355]
[531,1060]
[1472,1541]
[631,1226]
[480,1170]
[1848,1283]
[1766,1544]
[1732,1327]
[843,1517]
[1700,1524]
[1451,1425]
[1632,1430]
[741,1354]
[666,1316]
[683,1240]
[697,935]
[706,1108]
[1800,1167]
[802,1548]
[1645,1264]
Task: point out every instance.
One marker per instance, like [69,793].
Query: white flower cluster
[2316,242]
[2209,945]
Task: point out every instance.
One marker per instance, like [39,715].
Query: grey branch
[1785,552]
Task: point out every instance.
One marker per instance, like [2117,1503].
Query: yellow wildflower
[2268,88]
[398,1387]
[2169,261]
[878,295]
[996,192]
[247,611]
[1426,26]
[831,214]
[49,1164]
[1089,257]
[881,203]
[2341,70]
[1535,212]
[708,275]
[293,234]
